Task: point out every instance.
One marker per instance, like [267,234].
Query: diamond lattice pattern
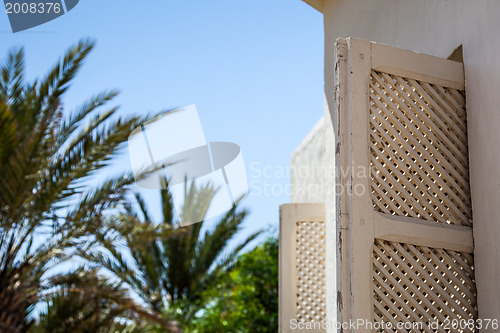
[419,155]
[417,284]
[310,263]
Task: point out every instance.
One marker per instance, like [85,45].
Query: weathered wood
[405,243]
[302,283]
[423,67]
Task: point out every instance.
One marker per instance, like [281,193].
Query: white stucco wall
[308,167]
[437,27]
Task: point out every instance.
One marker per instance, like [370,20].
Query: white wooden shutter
[302,285]
[403,208]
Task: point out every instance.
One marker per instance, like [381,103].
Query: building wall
[308,167]
[438,27]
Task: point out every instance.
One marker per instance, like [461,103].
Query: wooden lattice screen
[404,215]
[302,266]
[422,285]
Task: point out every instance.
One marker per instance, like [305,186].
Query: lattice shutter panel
[302,287]
[419,155]
[418,284]
[310,271]
[404,227]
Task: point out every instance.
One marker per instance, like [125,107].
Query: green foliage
[170,267]
[246,299]
[47,216]
[82,302]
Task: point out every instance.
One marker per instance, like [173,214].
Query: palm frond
[8,132]
[11,77]
[71,123]
[46,159]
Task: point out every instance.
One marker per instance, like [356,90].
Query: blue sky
[254,69]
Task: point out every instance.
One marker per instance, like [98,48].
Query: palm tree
[167,265]
[47,215]
[93,309]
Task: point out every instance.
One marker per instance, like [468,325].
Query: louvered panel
[418,147]
[423,285]
[310,268]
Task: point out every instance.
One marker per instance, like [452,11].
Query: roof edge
[316,4]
